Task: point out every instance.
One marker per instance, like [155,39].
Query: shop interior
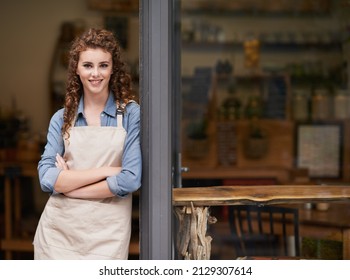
[265,101]
[254,76]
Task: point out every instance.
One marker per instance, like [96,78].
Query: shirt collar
[110,107]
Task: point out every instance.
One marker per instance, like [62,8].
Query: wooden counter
[230,195]
[191,209]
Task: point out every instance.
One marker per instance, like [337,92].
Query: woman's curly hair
[120,81]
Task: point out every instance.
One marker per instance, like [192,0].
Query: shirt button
[102,115]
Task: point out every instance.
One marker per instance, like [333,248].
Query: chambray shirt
[129,179]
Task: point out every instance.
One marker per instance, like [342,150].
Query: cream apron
[87,229]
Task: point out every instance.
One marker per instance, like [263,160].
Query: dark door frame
[157,87]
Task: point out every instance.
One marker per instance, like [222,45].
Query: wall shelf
[286,8]
[265,47]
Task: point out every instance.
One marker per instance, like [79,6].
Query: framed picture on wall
[319,149]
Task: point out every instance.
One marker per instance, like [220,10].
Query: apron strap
[119,119]
[120,112]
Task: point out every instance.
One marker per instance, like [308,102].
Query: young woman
[92,159]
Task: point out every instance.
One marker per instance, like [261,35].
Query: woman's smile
[96,82]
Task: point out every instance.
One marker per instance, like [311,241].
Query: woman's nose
[95,72]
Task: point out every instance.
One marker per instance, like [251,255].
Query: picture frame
[319,148]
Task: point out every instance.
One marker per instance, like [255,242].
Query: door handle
[184,169]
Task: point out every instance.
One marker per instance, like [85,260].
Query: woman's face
[95,69]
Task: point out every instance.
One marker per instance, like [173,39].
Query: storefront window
[260,80]
[265,92]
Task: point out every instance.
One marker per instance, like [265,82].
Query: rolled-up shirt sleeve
[129,179]
[48,172]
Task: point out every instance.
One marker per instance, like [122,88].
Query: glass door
[264,94]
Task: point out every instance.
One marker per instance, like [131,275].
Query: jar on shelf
[251,53]
[301,104]
[341,105]
[321,105]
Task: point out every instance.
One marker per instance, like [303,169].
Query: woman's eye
[104,65]
[87,65]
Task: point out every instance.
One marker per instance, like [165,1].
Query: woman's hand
[61,163]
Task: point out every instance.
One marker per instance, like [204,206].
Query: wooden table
[13,171]
[331,224]
[191,209]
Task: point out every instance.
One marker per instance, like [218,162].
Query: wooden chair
[264,230]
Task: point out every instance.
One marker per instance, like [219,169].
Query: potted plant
[197,139]
[256,144]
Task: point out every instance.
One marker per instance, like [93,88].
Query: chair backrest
[264,230]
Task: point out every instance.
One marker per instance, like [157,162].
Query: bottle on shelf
[341,104]
[301,104]
[321,105]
